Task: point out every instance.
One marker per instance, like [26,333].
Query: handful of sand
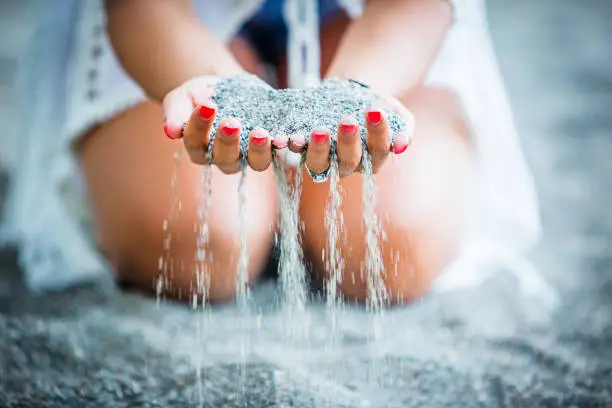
[295,111]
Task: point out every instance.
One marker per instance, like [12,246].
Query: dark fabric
[267,31]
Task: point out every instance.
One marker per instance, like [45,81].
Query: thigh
[420,202]
[129,165]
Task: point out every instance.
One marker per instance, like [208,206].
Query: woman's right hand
[190,113]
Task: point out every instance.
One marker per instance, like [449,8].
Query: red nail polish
[320,137]
[168,131]
[374,117]
[348,128]
[260,137]
[400,147]
[206,112]
[230,131]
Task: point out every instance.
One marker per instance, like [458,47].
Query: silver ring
[318,177]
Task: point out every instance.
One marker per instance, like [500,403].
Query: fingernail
[374,117]
[230,130]
[280,142]
[348,128]
[260,137]
[206,112]
[320,137]
[400,145]
[298,141]
[168,131]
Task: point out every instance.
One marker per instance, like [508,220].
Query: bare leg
[421,199]
[128,164]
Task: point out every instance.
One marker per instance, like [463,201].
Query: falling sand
[282,113]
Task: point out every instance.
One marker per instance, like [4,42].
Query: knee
[174,254]
[224,257]
[422,201]
[411,260]
[411,263]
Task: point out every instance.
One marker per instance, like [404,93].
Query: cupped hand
[190,114]
[379,140]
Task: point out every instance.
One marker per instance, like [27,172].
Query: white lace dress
[69,80]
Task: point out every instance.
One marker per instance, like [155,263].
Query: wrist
[226,68]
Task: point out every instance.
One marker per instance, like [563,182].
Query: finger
[280,142]
[226,146]
[260,150]
[201,92]
[177,110]
[401,143]
[297,143]
[317,155]
[379,137]
[349,146]
[407,131]
[197,132]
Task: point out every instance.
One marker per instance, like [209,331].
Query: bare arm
[161,44]
[393,44]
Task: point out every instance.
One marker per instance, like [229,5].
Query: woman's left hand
[349,146]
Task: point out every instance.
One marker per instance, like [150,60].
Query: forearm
[393,44]
[161,44]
